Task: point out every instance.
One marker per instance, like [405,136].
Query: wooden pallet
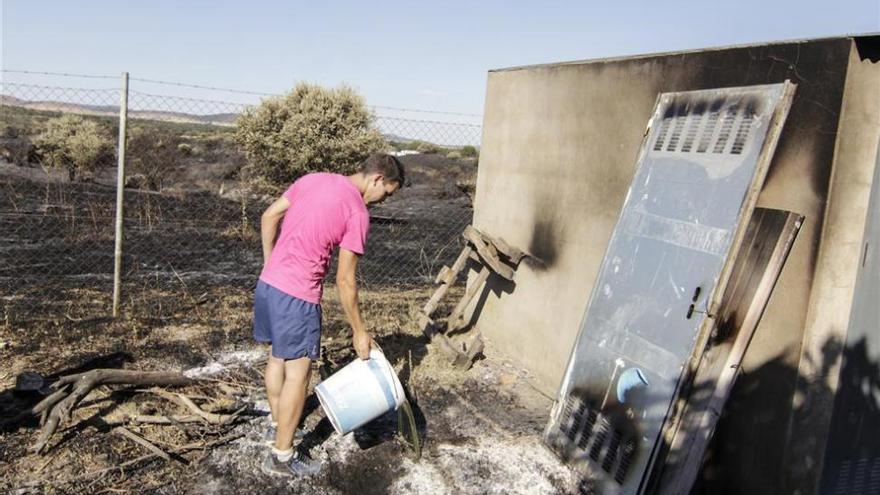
[487,255]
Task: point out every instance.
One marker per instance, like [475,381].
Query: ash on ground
[481,433]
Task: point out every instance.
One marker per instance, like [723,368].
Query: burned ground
[57,237]
[481,428]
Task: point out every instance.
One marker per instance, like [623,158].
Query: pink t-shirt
[326,210]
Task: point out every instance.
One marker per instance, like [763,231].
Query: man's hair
[387,165]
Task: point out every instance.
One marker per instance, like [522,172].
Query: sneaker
[298,465]
[269,435]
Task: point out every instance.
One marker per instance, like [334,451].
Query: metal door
[700,167]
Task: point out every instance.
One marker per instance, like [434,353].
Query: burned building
[793,305]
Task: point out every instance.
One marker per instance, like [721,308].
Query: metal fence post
[120,186]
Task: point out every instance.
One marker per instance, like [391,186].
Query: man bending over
[318,213]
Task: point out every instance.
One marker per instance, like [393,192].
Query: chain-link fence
[191,226]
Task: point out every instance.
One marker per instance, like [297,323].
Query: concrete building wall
[855,405]
[559,146]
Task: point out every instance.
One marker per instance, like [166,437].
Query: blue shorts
[291,325]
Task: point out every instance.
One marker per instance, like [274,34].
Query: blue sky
[404,54]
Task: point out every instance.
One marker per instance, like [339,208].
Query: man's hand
[362,344]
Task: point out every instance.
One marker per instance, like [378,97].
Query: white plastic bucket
[360,392]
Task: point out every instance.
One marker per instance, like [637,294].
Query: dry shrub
[16,146]
[469,151]
[310,129]
[154,155]
[76,144]
[426,147]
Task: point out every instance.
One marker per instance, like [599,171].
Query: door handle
[692,307]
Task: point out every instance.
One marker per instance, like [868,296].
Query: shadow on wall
[853,450]
[869,48]
[495,285]
[542,253]
[852,436]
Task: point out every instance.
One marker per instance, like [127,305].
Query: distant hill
[220,119]
[112,111]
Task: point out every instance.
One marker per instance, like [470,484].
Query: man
[318,213]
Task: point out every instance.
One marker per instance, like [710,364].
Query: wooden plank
[435,299]
[429,327]
[487,255]
[459,358]
[452,274]
[472,348]
[461,261]
[512,253]
[443,275]
[454,321]
[452,353]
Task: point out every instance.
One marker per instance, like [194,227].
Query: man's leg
[274,376]
[291,401]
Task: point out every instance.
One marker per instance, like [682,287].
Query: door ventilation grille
[594,437]
[858,476]
[718,127]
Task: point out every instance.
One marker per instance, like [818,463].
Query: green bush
[76,144]
[469,151]
[454,155]
[309,129]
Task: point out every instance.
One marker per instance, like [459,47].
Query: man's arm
[347,285]
[269,225]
